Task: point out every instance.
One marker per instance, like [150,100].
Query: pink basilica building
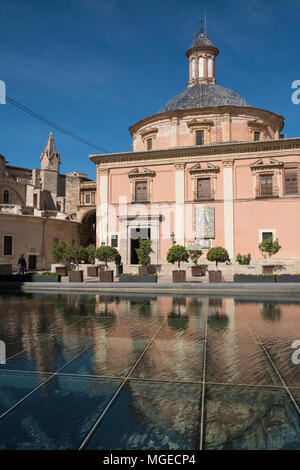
[207,170]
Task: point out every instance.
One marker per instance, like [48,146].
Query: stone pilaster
[179,203]
[102,207]
[228,207]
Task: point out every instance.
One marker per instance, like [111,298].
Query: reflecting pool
[89,371]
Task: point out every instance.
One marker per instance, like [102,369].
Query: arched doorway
[88,229]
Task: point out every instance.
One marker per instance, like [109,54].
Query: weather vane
[203,26]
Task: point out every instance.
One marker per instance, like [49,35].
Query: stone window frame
[136,176]
[265,230]
[200,126]
[12,244]
[260,168]
[149,133]
[257,126]
[198,172]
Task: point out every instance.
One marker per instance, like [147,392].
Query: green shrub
[75,254]
[59,251]
[243,259]
[106,254]
[195,255]
[90,252]
[218,255]
[269,247]
[143,251]
[177,254]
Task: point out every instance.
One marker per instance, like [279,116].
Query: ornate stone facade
[221,175]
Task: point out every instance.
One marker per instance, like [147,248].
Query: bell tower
[202,56]
[50,161]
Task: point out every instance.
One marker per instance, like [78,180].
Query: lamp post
[173,238]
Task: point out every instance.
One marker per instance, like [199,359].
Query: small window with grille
[266,235]
[200,137]
[7,245]
[203,188]
[149,144]
[291,181]
[6,196]
[141,191]
[256,136]
[114,241]
[266,185]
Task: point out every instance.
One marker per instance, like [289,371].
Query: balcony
[264,193]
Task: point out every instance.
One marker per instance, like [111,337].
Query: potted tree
[197,270]
[218,255]
[90,250]
[59,251]
[268,247]
[143,252]
[178,254]
[106,254]
[75,254]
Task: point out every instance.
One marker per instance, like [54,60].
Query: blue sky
[96,67]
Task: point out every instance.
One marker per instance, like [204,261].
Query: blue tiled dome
[205,95]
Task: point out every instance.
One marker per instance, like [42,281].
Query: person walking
[22,264]
[119,265]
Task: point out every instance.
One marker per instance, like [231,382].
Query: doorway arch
[88,228]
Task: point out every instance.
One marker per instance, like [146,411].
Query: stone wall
[37,239]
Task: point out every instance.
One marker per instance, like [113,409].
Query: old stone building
[38,207]
[207,170]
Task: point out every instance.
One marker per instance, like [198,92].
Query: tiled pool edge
[163,288]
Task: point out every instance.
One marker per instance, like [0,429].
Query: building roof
[205,95]
[201,40]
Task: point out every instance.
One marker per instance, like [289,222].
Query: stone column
[179,203]
[102,207]
[228,207]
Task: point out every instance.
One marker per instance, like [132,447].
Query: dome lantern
[202,57]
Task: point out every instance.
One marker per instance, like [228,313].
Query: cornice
[209,152]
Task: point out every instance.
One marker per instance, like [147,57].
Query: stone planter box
[138,278]
[198,270]
[5,268]
[106,276]
[29,278]
[62,270]
[267,269]
[179,276]
[253,278]
[215,276]
[92,271]
[287,278]
[76,276]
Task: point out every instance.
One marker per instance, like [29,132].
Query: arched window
[201,67]
[209,67]
[5,196]
[193,69]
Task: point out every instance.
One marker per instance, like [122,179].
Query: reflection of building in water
[120,329]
